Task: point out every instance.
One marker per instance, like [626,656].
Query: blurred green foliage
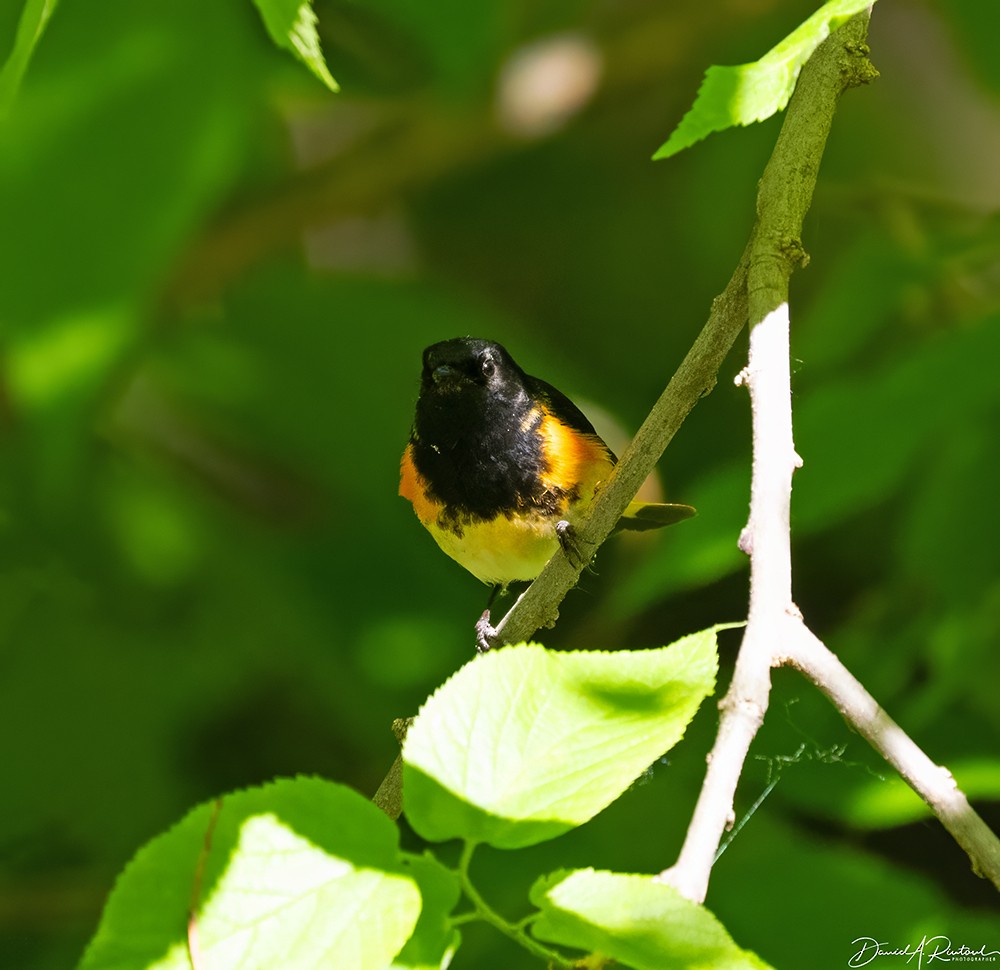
[216,279]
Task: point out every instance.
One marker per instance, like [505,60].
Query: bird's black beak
[444,374]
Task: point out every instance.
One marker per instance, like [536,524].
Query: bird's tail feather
[642,516]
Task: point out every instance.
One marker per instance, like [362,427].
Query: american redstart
[500,465]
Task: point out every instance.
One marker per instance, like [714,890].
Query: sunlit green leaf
[523,744]
[637,921]
[299,873]
[747,93]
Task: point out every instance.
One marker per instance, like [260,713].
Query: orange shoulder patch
[413,488]
[574,459]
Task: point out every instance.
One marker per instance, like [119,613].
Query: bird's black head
[467,366]
[474,440]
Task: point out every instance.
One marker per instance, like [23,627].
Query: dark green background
[216,279]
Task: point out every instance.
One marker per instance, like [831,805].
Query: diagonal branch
[538,606]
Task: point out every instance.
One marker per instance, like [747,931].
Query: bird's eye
[487,366]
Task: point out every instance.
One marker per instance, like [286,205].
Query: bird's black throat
[480,452]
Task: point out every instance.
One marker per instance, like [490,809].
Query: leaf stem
[489,915]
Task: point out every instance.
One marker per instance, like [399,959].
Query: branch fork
[776,633]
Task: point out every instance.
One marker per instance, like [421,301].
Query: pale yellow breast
[502,550]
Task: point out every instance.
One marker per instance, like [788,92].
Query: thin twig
[485,912]
[933,783]
[538,606]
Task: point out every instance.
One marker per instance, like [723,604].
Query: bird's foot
[572,545]
[486,633]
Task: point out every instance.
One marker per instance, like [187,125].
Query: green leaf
[434,940]
[745,93]
[635,920]
[292,25]
[34,17]
[523,744]
[301,873]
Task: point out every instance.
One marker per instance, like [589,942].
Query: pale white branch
[933,783]
[766,540]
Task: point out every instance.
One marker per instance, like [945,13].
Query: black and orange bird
[500,465]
